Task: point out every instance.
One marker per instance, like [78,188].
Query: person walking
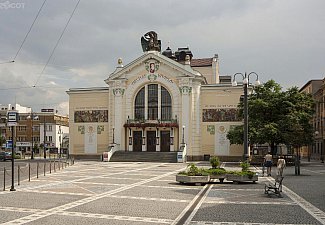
[268,163]
[281,165]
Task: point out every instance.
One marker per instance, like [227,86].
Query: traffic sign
[12,118]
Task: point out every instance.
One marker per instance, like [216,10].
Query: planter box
[241,178]
[221,177]
[192,179]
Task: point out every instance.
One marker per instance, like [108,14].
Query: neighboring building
[150,101]
[316,89]
[30,130]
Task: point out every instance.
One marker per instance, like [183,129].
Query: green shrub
[216,171]
[193,170]
[248,173]
[244,166]
[215,162]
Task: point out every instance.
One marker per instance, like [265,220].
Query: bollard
[59,163]
[4,178]
[37,170]
[44,167]
[18,174]
[29,172]
[54,165]
[50,166]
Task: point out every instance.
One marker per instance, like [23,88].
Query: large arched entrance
[153,125]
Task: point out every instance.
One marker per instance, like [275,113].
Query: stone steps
[125,156]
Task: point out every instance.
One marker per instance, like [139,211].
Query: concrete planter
[241,178]
[220,177]
[192,179]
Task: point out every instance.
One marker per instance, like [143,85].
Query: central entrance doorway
[151,141]
[137,141]
[165,141]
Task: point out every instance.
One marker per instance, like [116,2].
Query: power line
[39,11]
[27,87]
[57,43]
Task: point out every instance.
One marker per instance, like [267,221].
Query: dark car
[5,156]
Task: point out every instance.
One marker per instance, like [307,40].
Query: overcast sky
[280,40]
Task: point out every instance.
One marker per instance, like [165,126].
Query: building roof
[201,62]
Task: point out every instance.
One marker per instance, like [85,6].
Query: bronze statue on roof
[150,42]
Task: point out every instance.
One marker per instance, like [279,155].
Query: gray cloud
[280,40]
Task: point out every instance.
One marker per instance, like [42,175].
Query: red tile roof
[201,62]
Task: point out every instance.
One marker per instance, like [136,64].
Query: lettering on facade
[152,77]
[221,106]
[87,116]
[220,115]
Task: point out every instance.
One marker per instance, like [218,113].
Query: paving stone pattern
[146,193]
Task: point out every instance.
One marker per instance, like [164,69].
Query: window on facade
[166,104]
[50,128]
[153,101]
[50,138]
[140,104]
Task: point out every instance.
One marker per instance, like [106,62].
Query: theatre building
[156,103]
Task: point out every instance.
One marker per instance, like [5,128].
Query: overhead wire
[30,28]
[57,43]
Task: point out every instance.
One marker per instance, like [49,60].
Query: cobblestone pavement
[146,193]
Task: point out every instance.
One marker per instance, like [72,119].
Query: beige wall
[85,101]
[219,98]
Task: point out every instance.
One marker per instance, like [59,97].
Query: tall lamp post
[60,133]
[44,137]
[113,129]
[245,84]
[321,111]
[183,131]
[32,118]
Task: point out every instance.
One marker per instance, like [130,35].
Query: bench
[274,189]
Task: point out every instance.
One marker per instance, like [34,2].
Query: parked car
[5,156]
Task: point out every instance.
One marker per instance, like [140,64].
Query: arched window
[157,102]
[139,105]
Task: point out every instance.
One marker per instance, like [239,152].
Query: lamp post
[245,84]
[320,118]
[32,118]
[113,128]
[60,132]
[183,131]
[44,137]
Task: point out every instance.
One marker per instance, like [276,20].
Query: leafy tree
[276,117]
[2,141]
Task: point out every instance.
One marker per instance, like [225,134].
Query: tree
[276,117]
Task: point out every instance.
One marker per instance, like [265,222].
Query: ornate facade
[149,102]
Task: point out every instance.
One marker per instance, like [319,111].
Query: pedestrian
[268,163]
[281,165]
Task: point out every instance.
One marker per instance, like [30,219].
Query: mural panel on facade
[91,116]
[220,115]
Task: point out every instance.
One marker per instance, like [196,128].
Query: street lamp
[245,84]
[320,103]
[183,130]
[113,128]
[32,118]
[60,132]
